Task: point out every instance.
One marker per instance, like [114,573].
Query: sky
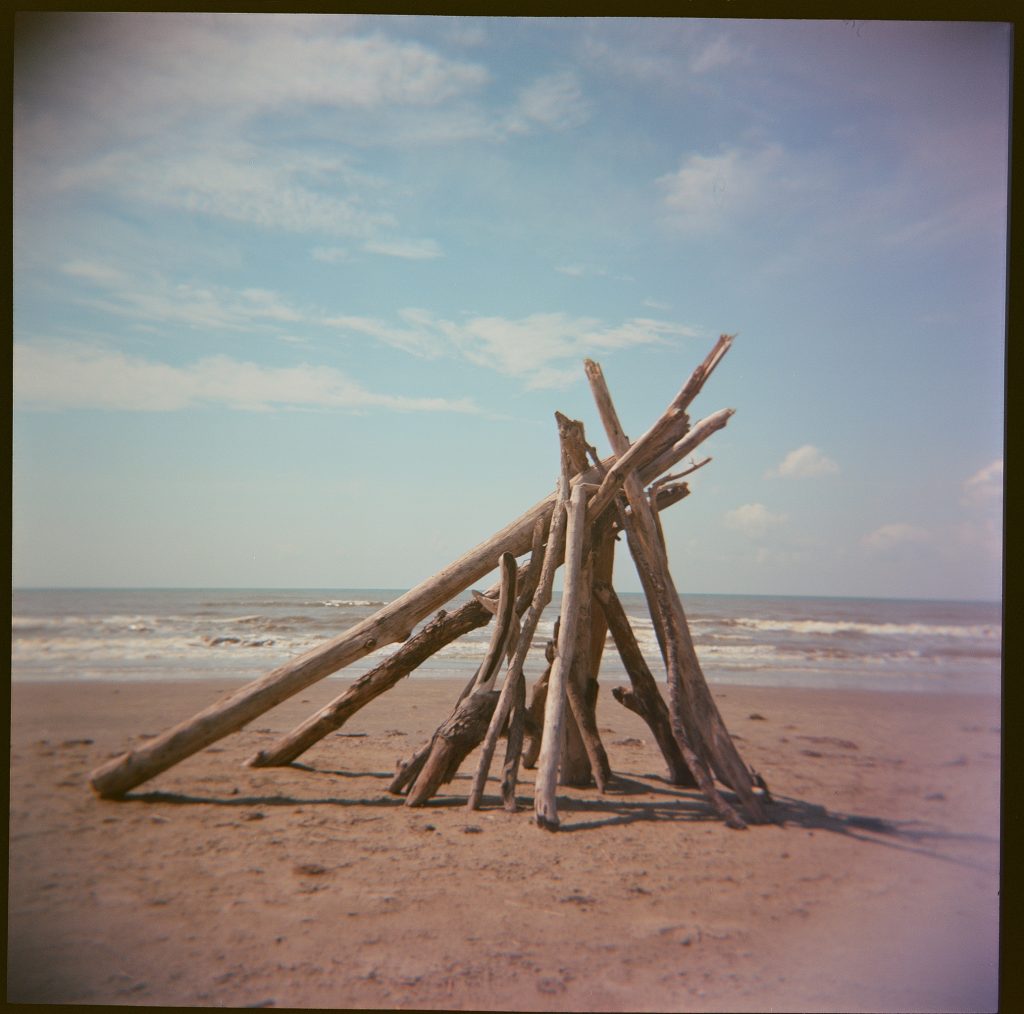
[296,297]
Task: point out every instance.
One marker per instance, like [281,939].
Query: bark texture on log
[535,709]
[514,748]
[452,743]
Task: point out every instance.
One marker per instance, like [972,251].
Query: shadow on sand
[629,799]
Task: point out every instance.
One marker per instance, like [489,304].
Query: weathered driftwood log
[583,686]
[644,699]
[465,727]
[504,626]
[407,770]
[696,721]
[442,630]
[517,722]
[511,691]
[535,709]
[545,803]
[583,759]
[392,623]
[452,743]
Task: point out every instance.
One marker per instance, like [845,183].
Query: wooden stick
[590,650]
[669,427]
[535,709]
[693,438]
[514,748]
[645,700]
[581,690]
[545,803]
[452,742]
[695,719]
[391,623]
[583,759]
[504,626]
[466,726]
[541,597]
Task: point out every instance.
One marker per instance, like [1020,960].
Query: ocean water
[153,634]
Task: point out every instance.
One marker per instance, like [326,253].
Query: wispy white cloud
[239,182]
[554,101]
[666,53]
[804,462]
[753,519]
[542,349]
[151,72]
[416,336]
[895,534]
[719,52]
[154,299]
[708,191]
[409,249]
[985,486]
[94,272]
[58,376]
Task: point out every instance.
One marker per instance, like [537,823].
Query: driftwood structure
[577,528]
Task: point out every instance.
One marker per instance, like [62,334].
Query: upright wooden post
[545,803]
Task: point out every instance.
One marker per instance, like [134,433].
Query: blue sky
[296,297]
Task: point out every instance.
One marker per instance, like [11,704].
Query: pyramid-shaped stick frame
[588,499]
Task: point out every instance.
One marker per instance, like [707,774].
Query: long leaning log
[696,722]
[391,623]
[442,630]
[644,699]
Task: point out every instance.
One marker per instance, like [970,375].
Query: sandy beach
[309,886]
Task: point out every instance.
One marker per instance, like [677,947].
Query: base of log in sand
[577,527]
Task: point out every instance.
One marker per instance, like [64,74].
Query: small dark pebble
[311,869]
[254,815]
[755,717]
[472,829]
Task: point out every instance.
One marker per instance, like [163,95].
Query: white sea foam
[977,631]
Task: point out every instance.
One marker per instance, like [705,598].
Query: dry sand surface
[310,886]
